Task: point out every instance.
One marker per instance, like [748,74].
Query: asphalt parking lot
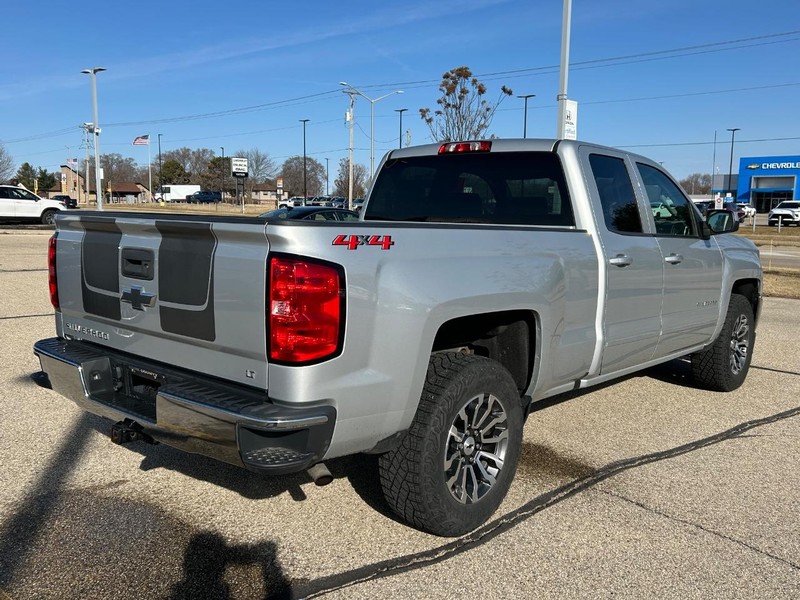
[644,488]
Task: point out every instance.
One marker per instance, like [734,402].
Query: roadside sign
[238,166]
[571,120]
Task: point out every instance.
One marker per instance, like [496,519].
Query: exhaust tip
[320,474]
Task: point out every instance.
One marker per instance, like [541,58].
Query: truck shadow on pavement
[209,562]
[57,540]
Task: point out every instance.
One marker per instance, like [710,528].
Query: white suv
[787,212]
[20,204]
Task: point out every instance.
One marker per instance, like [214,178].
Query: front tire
[49,217]
[723,366]
[454,466]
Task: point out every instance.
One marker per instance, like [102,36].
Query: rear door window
[617,198]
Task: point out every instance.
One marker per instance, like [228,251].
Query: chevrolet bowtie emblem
[138,298]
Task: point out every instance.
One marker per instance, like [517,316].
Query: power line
[41,136]
[594,63]
[232,111]
[616,60]
[726,45]
[721,142]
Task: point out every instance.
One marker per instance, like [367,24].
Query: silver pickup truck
[484,277]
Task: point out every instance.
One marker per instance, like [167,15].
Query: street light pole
[93,72]
[222,176]
[327,177]
[730,164]
[372,102]
[525,118]
[305,186]
[401,111]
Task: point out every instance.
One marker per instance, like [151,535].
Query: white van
[177,193]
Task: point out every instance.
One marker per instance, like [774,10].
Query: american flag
[142,140]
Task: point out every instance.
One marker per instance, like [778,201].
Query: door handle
[621,260]
[674,259]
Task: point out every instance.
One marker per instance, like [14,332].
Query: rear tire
[454,466]
[723,366]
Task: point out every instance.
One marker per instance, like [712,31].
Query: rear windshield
[521,188]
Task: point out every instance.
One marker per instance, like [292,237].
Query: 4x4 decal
[354,241]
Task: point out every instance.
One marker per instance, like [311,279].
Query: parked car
[338,202]
[293,202]
[311,213]
[22,204]
[734,208]
[199,197]
[358,204]
[787,213]
[749,211]
[68,201]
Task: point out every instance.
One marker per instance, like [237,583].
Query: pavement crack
[487,532]
[26,316]
[703,528]
[781,371]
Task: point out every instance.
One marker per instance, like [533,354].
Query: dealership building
[764,181]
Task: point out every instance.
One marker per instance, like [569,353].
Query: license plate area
[135,389]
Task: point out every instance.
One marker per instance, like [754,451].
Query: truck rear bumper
[188,411]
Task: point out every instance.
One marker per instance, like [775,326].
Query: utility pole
[564,70]
[351,119]
[222,176]
[351,90]
[87,127]
[327,178]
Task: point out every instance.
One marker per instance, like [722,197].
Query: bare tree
[292,171]
[6,164]
[193,162]
[697,183]
[463,113]
[118,169]
[260,167]
[342,182]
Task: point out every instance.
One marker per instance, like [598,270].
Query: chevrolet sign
[782,165]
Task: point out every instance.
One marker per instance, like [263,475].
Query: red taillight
[305,310]
[461,147]
[52,279]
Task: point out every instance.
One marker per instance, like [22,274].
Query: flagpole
[149,170]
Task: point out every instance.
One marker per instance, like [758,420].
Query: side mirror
[722,221]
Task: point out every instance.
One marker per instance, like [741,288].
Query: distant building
[763,181]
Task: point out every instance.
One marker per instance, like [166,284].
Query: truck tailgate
[177,289]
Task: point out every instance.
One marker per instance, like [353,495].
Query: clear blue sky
[183,69]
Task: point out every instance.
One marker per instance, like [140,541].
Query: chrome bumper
[186,410]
